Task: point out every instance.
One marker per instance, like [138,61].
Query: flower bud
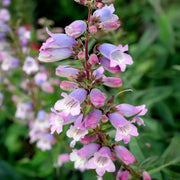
[104,119]
[81,55]
[124,155]
[97,97]
[68,86]
[107,1]
[91,120]
[98,5]
[112,82]
[76,28]
[92,29]
[146,176]
[93,59]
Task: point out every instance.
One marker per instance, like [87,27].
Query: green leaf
[155,94]
[172,153]
[165,113]
[170,156]
[165,31]
[7,172]
[135,149]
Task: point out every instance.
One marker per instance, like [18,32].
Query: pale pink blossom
[101,161]
[30,65]
[116,55]
[71,103]
[125,129]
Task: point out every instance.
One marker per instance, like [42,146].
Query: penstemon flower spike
[87,108]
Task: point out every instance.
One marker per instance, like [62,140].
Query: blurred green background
[151,28]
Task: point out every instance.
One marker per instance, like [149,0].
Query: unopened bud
[68,86]
[98,5]
[100,26]
[92,29]
[104,119]
[81,55]
[93,59]
[107,1]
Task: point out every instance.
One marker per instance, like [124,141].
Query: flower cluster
[16,60]
[86,108]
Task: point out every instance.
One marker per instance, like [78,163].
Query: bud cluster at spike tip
[86,109]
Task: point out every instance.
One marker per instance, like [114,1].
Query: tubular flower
[57,47]
[30,65]
[124,128]
[128,110]
[106,14]
[71,103]
[116,55]
[101,161]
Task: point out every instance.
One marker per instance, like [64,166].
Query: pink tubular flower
[80,157]
[58,120]
[112,82]
[106,64]
[75,29]
[62,159]
[76,133]
[30,65]
[97,97]
[92,118]
[68,86]
[146,176]
[122,175]
[128,110]
[106,14]
[116,55]
[44,141]
[124,128]
[57,47]
[101,161]
[67,71]
[71,103]
[124,155]
[4,15]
